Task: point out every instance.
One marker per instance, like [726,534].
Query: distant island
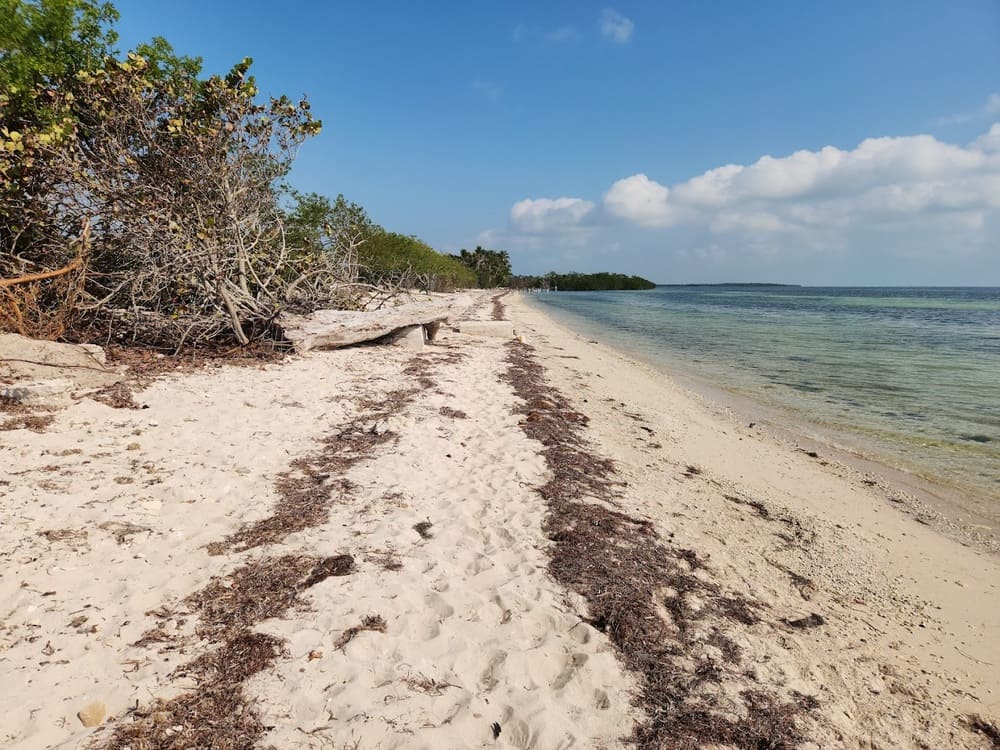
[582,282]
[737,283]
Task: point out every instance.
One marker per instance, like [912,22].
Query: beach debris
[332,329]
[75,539]
[691,471]
[811,454]
[805,586]
[498,306]
[77,621]
[117,396]
[986,727]
[218,713]
[371,622]
[757,505]
[495,729]
[385,559]
[92,714]
[339,565]
[261,590]
[123,530]
[307,490]
[25,416]
[427,685]
[813,620]
[424,529]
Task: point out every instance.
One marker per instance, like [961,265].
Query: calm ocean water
[909,376]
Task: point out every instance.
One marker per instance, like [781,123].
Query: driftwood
[332,329]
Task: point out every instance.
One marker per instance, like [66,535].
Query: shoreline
[376,528]
[947,507]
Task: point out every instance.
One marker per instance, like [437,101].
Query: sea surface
[907,376]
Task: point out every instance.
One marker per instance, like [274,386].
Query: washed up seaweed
[640,591]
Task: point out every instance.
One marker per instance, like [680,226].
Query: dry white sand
[107,514]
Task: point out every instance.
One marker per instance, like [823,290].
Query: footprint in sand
[488,679]
[439,606]
[573,664]
[601,700]
[479,564]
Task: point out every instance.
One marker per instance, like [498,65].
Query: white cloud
[989,142]
[738,221]
[879,179]
[641,200]
[898,199]
[544,215]
[616,27]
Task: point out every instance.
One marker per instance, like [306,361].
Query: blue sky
[630,136]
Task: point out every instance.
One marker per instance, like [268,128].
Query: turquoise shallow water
[909,376]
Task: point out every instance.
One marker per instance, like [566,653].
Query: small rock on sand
[92,714]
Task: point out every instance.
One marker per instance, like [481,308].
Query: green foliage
[388,255]
[163,64]
[316,223]
[492,267]
[582,282]
[43,44]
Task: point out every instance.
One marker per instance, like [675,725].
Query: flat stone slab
[33,369]
[499,328]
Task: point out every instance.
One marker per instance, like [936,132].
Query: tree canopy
[492,267]
[580,282]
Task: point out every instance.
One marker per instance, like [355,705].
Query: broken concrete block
[412,337]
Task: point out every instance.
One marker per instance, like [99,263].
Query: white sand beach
[348,549]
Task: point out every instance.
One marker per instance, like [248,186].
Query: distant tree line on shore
[582,282]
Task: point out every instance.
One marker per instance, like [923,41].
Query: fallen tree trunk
[332,329]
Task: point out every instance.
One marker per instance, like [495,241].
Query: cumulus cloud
[892,204]
[881,179]
[641,200]
[542,215]
[616,27]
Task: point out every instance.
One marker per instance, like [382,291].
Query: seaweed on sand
[218,713]
[306,491]
[640,590]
